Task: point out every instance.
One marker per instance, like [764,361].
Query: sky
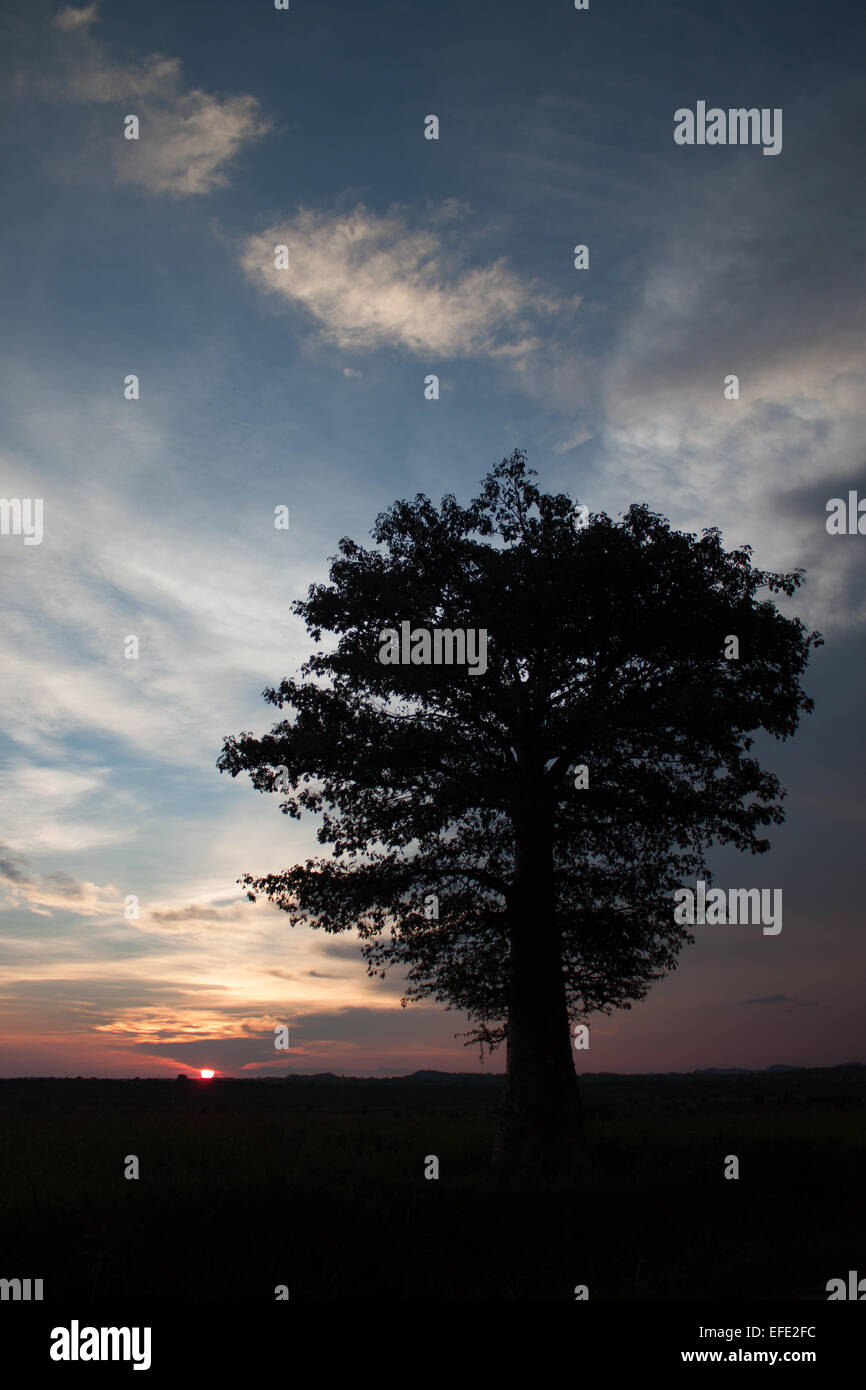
[305,388]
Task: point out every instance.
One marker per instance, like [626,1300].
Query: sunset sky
[259,388]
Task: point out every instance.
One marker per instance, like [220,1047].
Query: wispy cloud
[10,866]
[70,18]
[59,808]
[44,894]
[372,281]
[756,296]
[188,138]
[578,437]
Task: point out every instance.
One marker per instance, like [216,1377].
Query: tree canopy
[605,651]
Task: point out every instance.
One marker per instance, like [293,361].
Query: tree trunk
[541,1129]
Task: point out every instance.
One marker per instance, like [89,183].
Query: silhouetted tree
[606,647]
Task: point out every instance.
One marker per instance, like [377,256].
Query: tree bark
[541,1127]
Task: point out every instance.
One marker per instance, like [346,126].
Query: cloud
[373,281]
[64,885]
[70,18]
[230,914]
[193,913]
[60,808]
[188,137]
[9,866]
[194,588]
[46,894]
[187,142]
[744,281]
[223,1054]
[580,436]
[352,1038]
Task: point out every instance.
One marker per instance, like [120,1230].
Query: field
[319,1185]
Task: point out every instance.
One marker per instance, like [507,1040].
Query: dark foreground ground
[319,1185]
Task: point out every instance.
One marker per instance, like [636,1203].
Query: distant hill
[422,1078]
[433,1077]
[313,1076]
[428,1077]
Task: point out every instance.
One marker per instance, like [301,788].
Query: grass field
[319,1185]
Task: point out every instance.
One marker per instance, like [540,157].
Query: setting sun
[206,1074]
